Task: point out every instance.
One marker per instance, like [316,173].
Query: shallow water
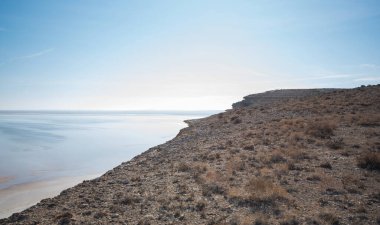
[40,146]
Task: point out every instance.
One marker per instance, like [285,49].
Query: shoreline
[22,196]
[17,195]
[270,164]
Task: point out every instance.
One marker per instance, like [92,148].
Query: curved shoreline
[22,196]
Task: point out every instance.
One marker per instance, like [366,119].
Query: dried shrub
[292,166]
[260,221]
[295,137]
[99,215]
[326,165]
[17,217]
[259,194]
[277,158]
[144,222]
[235,164]
[266,141]
[335,143]
[249,147]
[135,178]
[369,160]
[235,120]
[369,120]
[290,222]
[321,129]
[184,167]
[352,184]
[127,200]
[260,189]
[64,218]
[329,218]
[314,178]
[200,206]
[298,154]
[214,188]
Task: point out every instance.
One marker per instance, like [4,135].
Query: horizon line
[214,111]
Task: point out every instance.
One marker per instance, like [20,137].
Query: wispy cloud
[28,56]
[368,79]
[369,66]
[33,55]
[333,76]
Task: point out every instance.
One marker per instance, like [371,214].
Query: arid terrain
[314,159]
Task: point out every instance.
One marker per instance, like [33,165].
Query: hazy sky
[180,54]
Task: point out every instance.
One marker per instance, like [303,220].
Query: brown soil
[314,160]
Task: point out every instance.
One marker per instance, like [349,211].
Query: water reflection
[45,145]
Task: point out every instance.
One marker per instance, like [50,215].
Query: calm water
[37,146]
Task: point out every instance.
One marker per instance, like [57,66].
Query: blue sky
[184,55]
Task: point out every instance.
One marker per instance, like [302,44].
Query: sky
[180,55]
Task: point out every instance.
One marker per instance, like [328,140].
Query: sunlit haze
[182,55]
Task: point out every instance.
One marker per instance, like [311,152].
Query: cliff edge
[269,97]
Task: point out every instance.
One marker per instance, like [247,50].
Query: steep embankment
[313,160]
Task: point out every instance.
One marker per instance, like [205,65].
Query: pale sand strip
[6,179]
[20,197]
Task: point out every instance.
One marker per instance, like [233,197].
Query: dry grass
[321,128]
[264,189]
[258,189]
[335,143]
[326,165]
[298,154]
[329,218]
[277,158]
[369,120]
[183,167]
[369,160]
[234,164]
[235,120]
[249,147]
[295,137]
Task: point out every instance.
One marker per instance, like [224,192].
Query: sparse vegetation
[326,165]
[369,120]
[236,120]
[335,143]
[321,128]
[183,167]
[214,188]
[302,161]
[369,160]
[263,188]
[329,218]
[249,147]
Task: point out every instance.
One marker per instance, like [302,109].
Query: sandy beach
[19,197]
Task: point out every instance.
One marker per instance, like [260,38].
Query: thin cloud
[29,56]
[368,79]
[322,77]
[34,55]
[369,65]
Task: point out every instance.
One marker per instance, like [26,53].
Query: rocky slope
[270,97]
[314,160]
